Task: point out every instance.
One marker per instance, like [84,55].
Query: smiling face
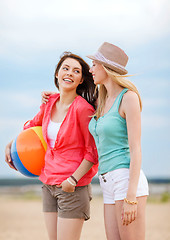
[98,73]
[69,74]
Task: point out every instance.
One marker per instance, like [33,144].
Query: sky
[33,35]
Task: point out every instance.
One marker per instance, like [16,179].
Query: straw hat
[112,57]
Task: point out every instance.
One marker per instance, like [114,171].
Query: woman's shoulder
[53,97]
[130,96]
[51,100]
[130,100]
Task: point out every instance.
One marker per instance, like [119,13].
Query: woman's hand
[45,96]
[8,156]
[67,187]
[129,213]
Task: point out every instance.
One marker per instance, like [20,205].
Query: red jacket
[73,143]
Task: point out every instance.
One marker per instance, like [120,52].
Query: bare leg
[111,227]
[69,229]
[136,229]
[51,224]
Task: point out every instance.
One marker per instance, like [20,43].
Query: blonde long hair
[121,81]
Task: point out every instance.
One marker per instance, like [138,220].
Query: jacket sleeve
[90,152]
[37,120]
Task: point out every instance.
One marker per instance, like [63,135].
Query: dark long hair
[85,89]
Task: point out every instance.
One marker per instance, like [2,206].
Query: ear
[82,80]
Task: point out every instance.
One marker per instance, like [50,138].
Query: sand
[22,219]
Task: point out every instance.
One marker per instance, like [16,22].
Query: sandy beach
[22,219]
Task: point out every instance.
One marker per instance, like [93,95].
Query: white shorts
[114,185]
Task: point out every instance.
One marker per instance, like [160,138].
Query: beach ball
[28,151]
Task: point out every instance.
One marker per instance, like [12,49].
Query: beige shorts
[68,204]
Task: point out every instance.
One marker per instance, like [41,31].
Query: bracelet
[68,180]
[75,180]
[130,202]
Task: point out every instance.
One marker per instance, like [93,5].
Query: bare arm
[133,119]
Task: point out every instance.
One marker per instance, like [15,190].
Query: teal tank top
[110,135]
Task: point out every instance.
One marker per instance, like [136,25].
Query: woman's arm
[90,152]
[131,107]
[36,121]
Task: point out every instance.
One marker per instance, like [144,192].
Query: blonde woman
[116,128]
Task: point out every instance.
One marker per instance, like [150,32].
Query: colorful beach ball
[28,152]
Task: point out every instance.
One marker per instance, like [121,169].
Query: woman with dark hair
[71,157]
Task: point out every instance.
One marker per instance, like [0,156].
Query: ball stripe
[38,131]
[17,162]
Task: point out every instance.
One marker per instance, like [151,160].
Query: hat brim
[121,71]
